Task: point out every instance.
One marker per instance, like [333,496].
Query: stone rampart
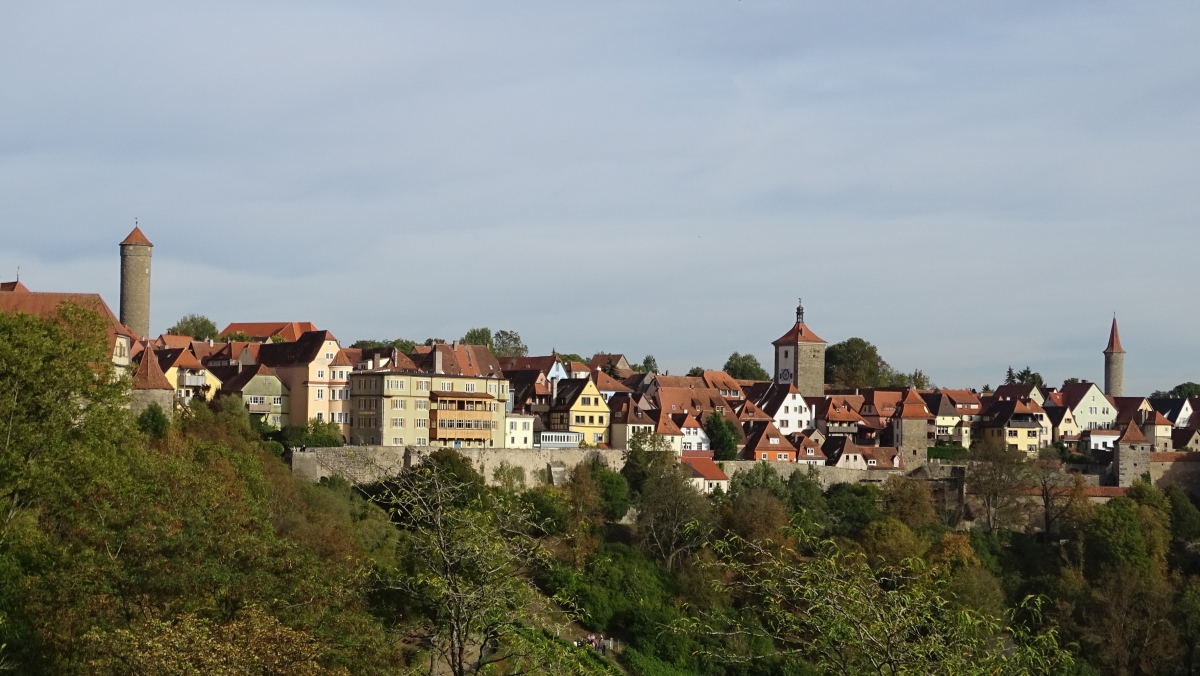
[366,464]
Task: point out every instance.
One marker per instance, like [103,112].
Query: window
[601,419]
[512,425]
[811,452]
[423,385]
[422,423]
[578,420]
[871,463]
[781,456]
[943,431]
[763,456]
[687,445]
[398,404]
[255,399]
[774,440]
[468,387]
[491,388]
[591,420]
[1032,434]
[783,423]
[397,441]
[587,401]
[320,373]
[447,386]
[320,394]
[1012,433]
[278,401]
[397,422]
[1031,447]
[785,409]
[597,437]
[320,417]
[422,405]
[525,426]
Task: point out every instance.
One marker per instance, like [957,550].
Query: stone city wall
[366,464]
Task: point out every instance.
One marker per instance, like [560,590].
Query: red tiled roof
[136,238]
[177,358]
[1133,435]
[149,376]
[16,286]
[172,341]
[1178,456]
[289,331]
[1114,339]
[707,469]
[800,333]
[606,383]
[913,407]
[45,305]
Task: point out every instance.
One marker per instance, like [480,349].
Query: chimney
[437,360]
[553,390]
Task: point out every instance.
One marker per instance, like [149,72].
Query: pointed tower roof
[149,375]
[1114,340]
[800,333]
[1132,435]
[913,406]
[136,238]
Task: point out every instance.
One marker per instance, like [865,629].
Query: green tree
[745,367]
[852,507]
[430,342]
[696,372]
[830,607]
[804,496]
[649,364]
[1115,538]
[238,337]
[1182,391]
[855,362]
[1185,518]
[646,454]
[909,501]
[610,369]
[760,475]
[480,336]
[998,475]
[722,436]
[198,327]
[509,344]
[673,519]
[153,421]
[405,346]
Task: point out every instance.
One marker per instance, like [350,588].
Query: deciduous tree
[198,327]
[745,367]
[997,476]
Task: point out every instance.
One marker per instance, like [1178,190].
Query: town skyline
[967,190]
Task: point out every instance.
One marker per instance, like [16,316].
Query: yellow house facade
[397,407]
[578,406]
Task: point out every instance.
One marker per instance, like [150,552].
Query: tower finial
[800,311]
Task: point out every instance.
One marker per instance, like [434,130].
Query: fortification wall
[365,464]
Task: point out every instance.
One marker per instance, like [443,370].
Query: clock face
[785,375]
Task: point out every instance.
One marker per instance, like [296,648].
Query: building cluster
[463,396]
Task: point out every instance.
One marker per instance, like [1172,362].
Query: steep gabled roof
[663,424]
[149,376]
[1073,393]
[16,287]
[302,352]
[177,358]
[459,360]
[771,398]
[543,364]
[606,383]
[241,380]
[45,305]
[759,437]
[569,391]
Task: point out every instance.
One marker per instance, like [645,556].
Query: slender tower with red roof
[135,282]
[1114,364]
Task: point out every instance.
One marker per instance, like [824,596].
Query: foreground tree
[464,556]
[831,608]
[673,519]
[998,476]
[722,436]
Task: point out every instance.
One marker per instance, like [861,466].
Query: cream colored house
[519,428]
[316,372]
[404,407]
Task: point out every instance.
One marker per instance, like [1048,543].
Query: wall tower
[800,358]
[1114,364]
[135,282]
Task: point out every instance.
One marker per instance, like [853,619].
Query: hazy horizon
[967,187]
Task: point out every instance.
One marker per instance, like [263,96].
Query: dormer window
[774,440]
[871,463]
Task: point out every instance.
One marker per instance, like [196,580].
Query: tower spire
[1114,339]
[800,311]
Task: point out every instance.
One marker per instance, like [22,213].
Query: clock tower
[800,358]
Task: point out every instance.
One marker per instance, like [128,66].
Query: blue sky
[967,186]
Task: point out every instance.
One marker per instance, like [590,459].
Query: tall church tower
[1114,364]
[800,358]
[135,282]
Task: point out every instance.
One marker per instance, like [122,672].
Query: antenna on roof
[18,273]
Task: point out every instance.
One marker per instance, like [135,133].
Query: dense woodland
[181,544]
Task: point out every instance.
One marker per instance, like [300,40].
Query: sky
[966,185]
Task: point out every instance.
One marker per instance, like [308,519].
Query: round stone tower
[135,282]
[1114,364]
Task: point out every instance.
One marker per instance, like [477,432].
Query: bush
[947,452]
[549,509]
[154,421]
